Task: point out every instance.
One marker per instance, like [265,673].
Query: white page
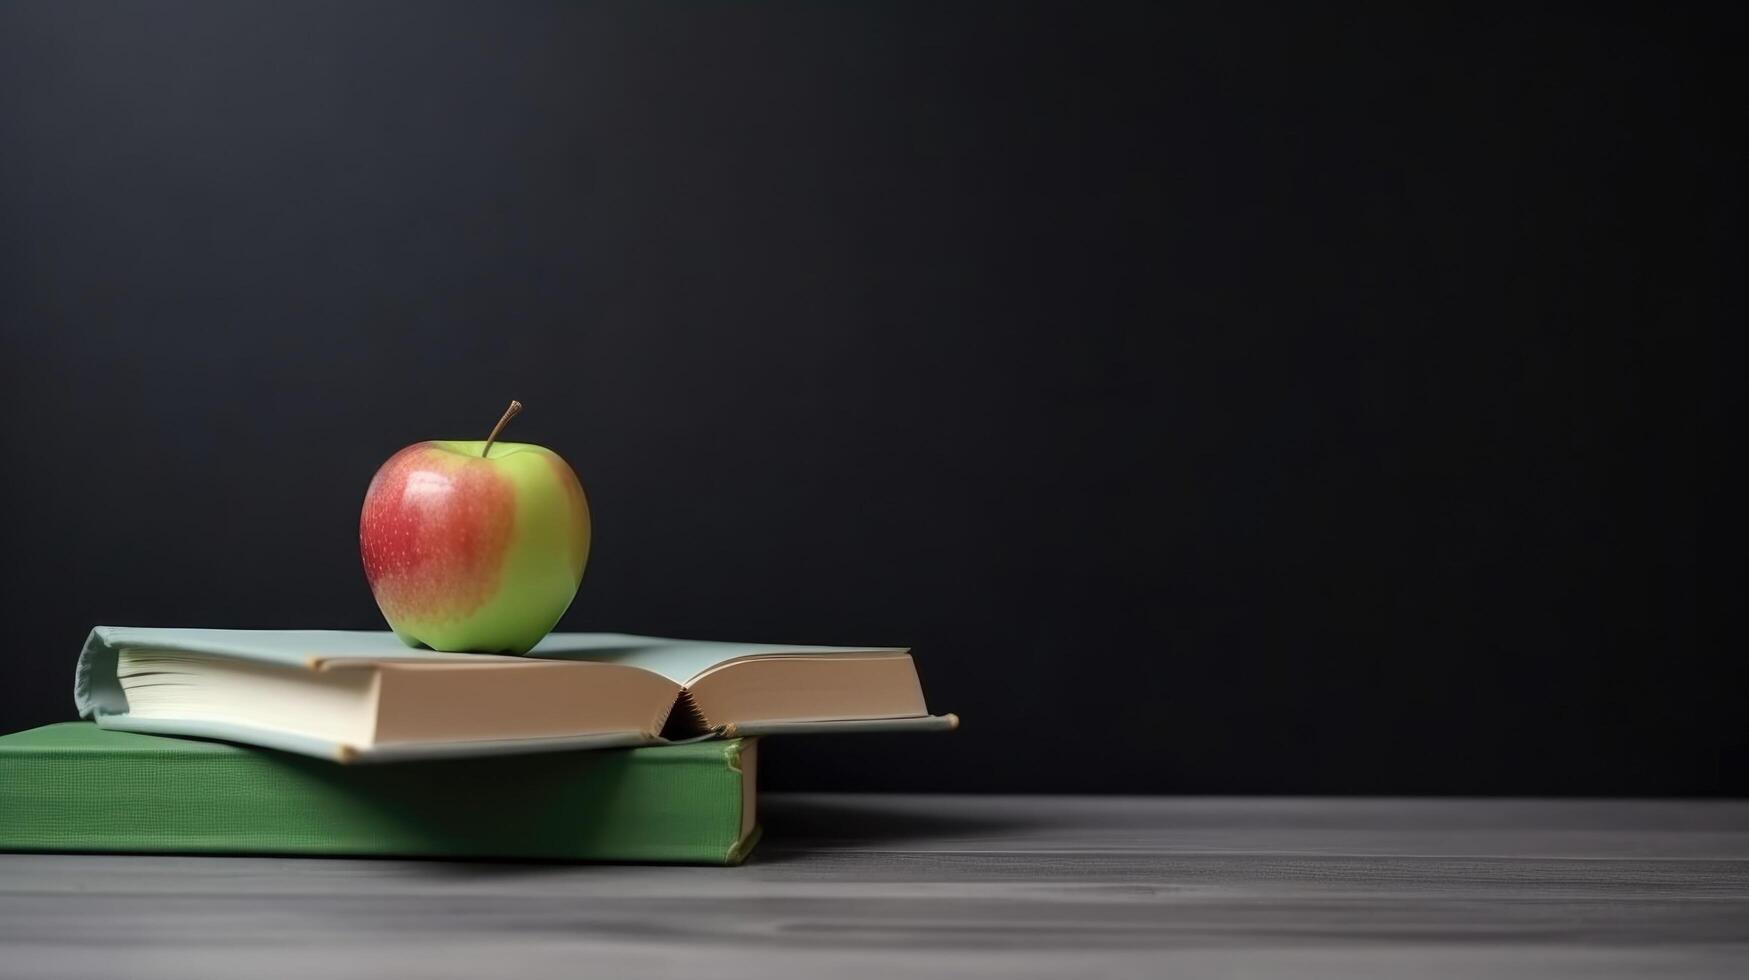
[677,660]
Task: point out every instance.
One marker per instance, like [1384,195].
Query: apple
[474,547]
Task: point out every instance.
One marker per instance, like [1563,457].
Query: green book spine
[76,787]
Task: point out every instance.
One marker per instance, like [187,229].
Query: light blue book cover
[100,693]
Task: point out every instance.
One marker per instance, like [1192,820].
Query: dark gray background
[1217,398]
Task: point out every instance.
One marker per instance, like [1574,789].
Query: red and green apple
[474,546]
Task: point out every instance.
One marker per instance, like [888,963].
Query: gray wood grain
[886,886]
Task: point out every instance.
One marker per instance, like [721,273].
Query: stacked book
[594,746]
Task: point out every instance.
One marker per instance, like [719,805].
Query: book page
[291,648]
[678,660]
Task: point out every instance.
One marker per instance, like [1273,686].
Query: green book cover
[76,787]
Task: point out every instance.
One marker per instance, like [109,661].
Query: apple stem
[509,413]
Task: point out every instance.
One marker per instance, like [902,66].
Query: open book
[358,696]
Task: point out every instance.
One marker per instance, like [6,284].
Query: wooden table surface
[886,886]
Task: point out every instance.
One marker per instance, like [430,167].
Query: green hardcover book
[76,787]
